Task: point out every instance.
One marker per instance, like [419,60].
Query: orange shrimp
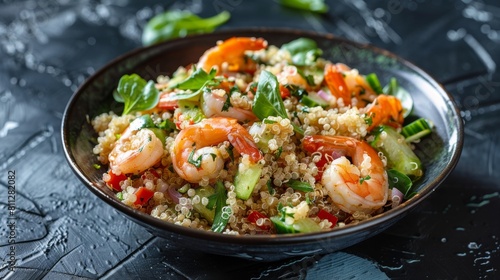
[360,185]
[346,83]
[135,151]
[336,84]
[194,143]
[232,52]
[386,109]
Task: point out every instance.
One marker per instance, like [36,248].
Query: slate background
[48,48]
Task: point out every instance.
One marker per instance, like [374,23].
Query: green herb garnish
[174,24]
[270,188]
[195,162]
[119,195]
[227,103]
[363,179]
[217,201]
[136,94]
[300,186]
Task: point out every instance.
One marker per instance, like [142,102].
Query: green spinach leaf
[174,24]
[197,79]
[268,101]
[136,94]
[304,51]
[317,6]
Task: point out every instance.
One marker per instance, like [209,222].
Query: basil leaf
[402,94]
[300,186]
[317,6]
[222,212]
[267,101]
[304,51]
[197,79]
[136,94]
[174,24]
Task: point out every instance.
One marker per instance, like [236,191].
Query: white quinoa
[173,199]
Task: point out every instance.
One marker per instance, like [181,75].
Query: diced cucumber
[398,152]
[314,100]
[202,209]
[245,180]
[303,225]
[191,111]
[416,130]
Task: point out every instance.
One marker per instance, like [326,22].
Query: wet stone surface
[48,48]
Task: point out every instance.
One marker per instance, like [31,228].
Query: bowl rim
[272,239]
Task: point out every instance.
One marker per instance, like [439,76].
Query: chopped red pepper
[325,215]
[114,181]
[143,195]
[321,167]
[254,216]
[284,92]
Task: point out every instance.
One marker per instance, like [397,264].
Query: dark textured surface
[49,48]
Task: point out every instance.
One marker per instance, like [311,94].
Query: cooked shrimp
[193,158]
[346,83]
[232,52]
[386,109]
[358,186]
[290,76]
[213,103]
[135,151]
[336,83]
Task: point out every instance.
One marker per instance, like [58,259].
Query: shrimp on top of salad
[258,139]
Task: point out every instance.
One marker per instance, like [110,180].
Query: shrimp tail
[244,146]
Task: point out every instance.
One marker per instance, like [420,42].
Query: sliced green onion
[374,83]
[416,130]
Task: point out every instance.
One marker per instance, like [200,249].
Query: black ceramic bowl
[439,152]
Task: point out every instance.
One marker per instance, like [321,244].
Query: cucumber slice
[303,225]
[200,208]
[314,100]
[416,130]
[398,152]
[191,111]
[245,180]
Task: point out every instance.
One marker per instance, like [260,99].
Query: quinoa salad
[260,139]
